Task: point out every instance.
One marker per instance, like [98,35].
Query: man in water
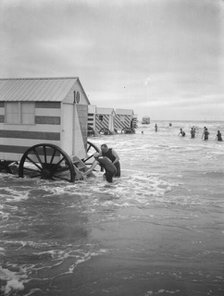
[193,131]
[219,136]
[113,156]
[182,133]
[106,163]
[205,134]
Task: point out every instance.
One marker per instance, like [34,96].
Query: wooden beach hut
[43,110]
[125,120]
[101,120]
[105,120]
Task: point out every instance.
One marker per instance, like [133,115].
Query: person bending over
[106,163]
[113,156]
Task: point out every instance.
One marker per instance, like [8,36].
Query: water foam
[12,280]
[15,194]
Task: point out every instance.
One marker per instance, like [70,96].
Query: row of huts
[110,120]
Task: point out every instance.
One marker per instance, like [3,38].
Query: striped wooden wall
[91,120]
[16,138]
[122,121]
[105,123]
[2,112]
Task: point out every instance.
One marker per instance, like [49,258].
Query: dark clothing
[192,133]
[219,136]
[110,155]
[109,177]
[110,169]
[206,133]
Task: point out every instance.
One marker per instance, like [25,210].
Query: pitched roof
[124,111]
[36,89]
[102,110]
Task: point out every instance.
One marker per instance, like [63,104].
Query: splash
[12,280]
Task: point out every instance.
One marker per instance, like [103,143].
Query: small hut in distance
[146,120]
[125,120]
[101,120]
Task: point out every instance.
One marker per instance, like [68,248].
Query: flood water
[158,230]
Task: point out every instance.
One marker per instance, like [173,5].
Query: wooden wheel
[90,151]
[47,161]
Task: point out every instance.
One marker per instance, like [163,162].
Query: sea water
[158,230]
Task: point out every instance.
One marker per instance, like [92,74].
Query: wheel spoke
[31,170]
[52,157]
[85,160]
[45,154]
[61,170]
[40,168]
[38,157]
[88,148]
[63,158]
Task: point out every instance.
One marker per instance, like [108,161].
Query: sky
[161,58]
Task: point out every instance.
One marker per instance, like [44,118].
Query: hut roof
[101,110]
[124,111]
[37,89]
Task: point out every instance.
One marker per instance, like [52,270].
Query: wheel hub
[47,171]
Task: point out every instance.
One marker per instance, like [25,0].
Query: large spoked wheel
[90,151]
[47,161]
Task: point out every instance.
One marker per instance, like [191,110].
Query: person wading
[106,163]
[113,156]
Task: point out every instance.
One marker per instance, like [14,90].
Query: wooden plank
[56,105]
[29,135]
[13,149]
[26,142]
[32,127]
[22,149]
[47,112]
[48,120]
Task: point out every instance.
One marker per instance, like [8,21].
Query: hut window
[12,112]
[19,113]
[27,113]
[101,117]
[76,97]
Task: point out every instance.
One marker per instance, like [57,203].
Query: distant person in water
[193,131]
[219,136]
[156,127]
[205,134]
[106,163]
[182,133]
[113,156]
